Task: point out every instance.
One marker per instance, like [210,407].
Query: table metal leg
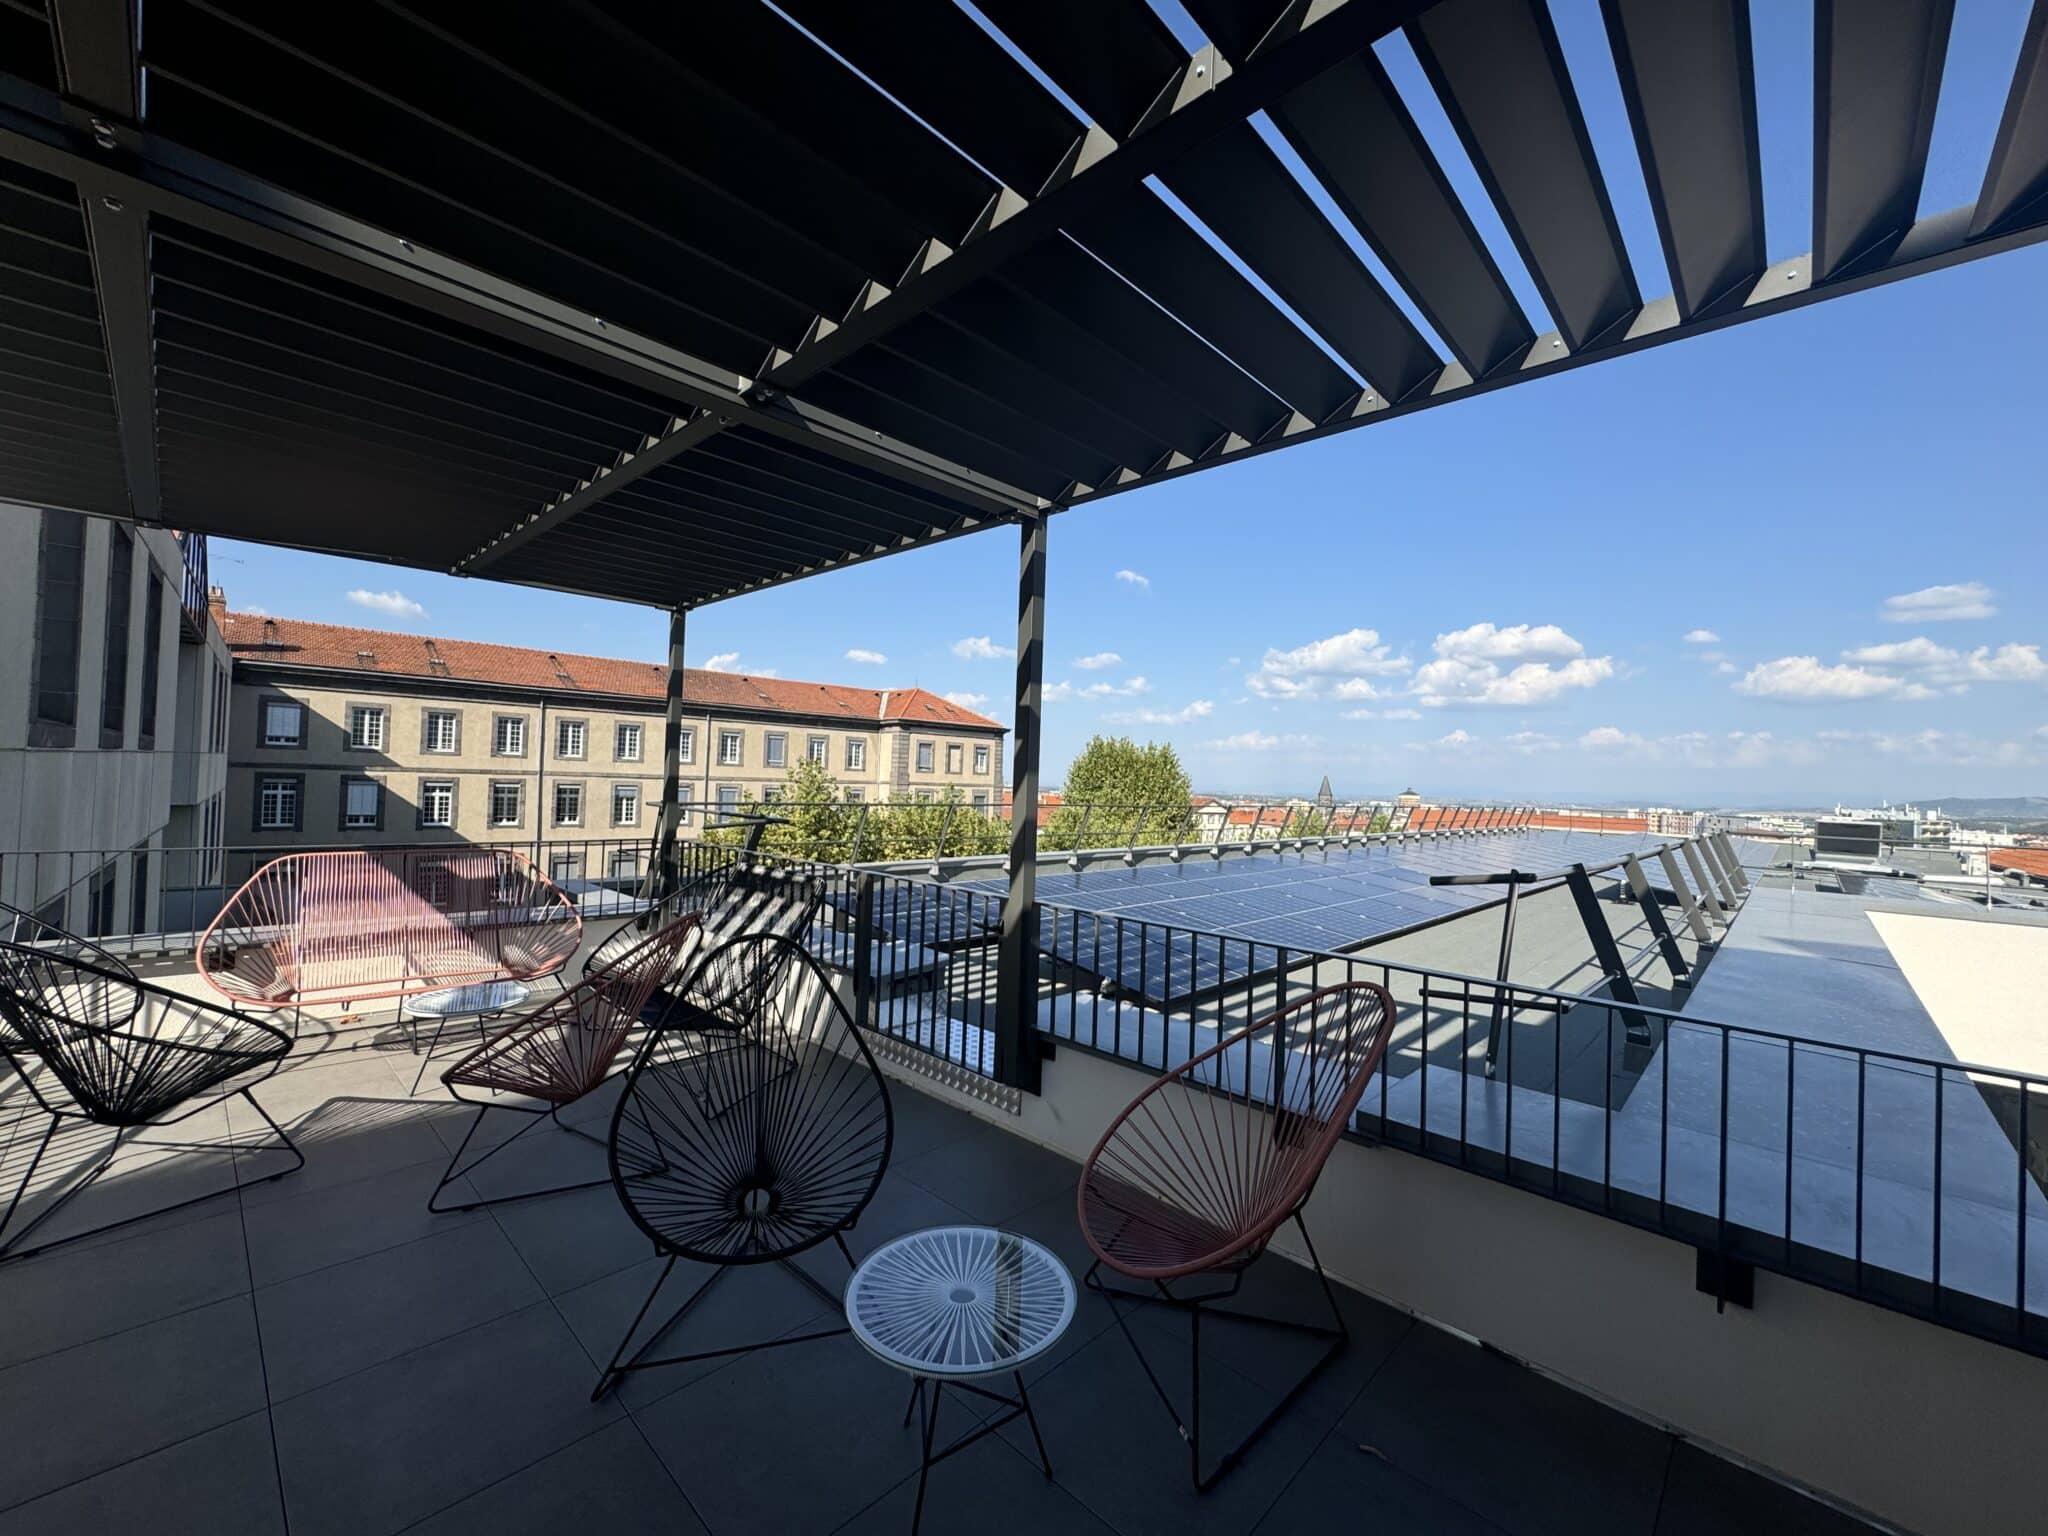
[924,1470]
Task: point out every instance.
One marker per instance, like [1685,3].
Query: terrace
[319,1354]
[848,282]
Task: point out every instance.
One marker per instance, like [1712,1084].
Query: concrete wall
[82,802]
[1908,1423]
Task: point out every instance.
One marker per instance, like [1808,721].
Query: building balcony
[192,594]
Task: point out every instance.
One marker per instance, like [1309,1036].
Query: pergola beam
[101,77]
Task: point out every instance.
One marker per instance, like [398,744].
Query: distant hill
[2010,808]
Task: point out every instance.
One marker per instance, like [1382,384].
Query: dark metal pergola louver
[671,303]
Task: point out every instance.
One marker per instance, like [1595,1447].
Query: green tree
[1118,793]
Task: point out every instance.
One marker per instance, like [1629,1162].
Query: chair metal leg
[451,1173]
[11,1252]
[1339,1335]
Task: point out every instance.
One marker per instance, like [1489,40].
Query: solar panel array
[1131,924]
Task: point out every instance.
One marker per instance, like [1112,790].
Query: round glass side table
[953,1307]
[481,1000]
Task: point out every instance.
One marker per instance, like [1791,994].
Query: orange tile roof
[256,639]
[2028,861]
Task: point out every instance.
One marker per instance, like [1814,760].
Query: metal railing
[194,587]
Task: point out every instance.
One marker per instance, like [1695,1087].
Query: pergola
[671,303]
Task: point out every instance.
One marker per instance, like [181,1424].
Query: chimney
[217,608]
[270,632]
[885,705]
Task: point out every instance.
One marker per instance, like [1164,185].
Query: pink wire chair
[387,922]
[559,1052]
[1192,1180]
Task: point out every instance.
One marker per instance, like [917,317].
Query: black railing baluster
[1940,1078]
[1791,1078]
[1862,1076]
[1721,1203]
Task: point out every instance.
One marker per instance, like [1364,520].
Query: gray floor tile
[924,1122]
[990,1173]
[331,1226]
[81,1411]
[1136,1478]
[75,1295]
[324,1325]
[1705,1496]
[1527,1453]
[1344,1487]
[987,1488]
[572,1239]
[608,1483]
[748,1303]
[378,1450]
[346,1138]
[792,1440]
[223,1481]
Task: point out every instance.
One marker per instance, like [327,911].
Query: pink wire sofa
[386,922]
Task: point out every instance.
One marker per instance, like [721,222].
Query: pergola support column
[1016,1042]
[663,873]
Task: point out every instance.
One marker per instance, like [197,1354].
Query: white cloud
[1055,693]
[981,648]
[1701,637]
[1132,578]
[254,611]
[1607,738]
[1528,743]
[1199,709]
[394,603]
[1451,681]
[1262,741]
[1351,657]
[1488,642]
[966,700]
[1123,690]
[1361,714]
[724,661]
[1468,666]
[1934,605]
[1457,741]
[867,658]
[1098,661]
[1807,679]
[1402,714]
[1931,663]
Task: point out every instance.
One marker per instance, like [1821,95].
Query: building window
[362,804]
[569,736]
[981,760]
[814,749]
[952,757]
[506,795]
[152,658]
[979,800]
[924,757]
[568,805]
[856,755]
[437,802]
[728,749]
[277,803]
[776,753]
[626,743]
[284,723]
[853,794]
[114,668]
[926,796]
[441,731]
[625,805]
[60,611]
[685,793]
[625,865]
[138,891]
[564,867]
[508,736]
[366,727]
[686,745]
[217,729]
[728,802]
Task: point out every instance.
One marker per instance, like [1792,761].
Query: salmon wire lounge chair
[754,1153]
[386,922]
[1188,1185]
[127,1055]
[556,1053]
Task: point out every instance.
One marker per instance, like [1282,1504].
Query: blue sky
[1510,596]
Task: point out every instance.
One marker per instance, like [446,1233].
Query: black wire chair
[756,1151]
[127,1055]
[25,928]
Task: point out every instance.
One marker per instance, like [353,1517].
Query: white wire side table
[481,1000]
[954,1307]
